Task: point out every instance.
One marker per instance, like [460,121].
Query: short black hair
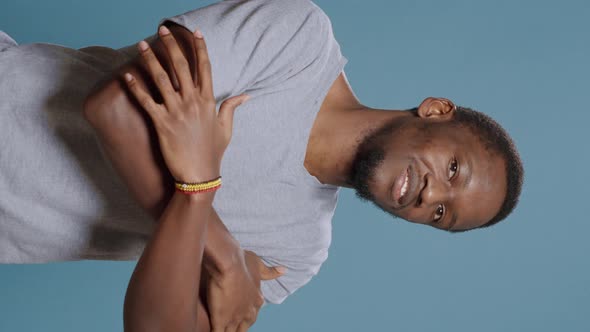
[495,139]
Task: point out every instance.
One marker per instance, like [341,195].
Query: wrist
[198,191]
[222,252]
[199,174]
[202,198]
[225,261]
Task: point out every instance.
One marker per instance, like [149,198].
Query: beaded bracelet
[198,187]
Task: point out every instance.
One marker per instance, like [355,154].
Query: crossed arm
[128,138]
[130,141]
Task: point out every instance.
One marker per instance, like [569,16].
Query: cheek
[417,216]
[417,143]
[408,140]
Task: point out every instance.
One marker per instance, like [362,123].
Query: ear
[436,108]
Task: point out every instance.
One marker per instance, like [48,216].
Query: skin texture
[193,137]
[131,143]
[180,233]
[186,125]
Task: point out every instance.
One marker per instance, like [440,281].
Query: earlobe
[436,108]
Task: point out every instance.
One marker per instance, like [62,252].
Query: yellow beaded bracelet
[195,187]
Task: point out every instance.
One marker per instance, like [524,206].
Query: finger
[204,79]
[227,110]
[143,98]
[158,74]
[243,327]
[232,327]
[274,272]
[179,62]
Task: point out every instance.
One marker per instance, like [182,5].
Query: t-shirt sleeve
[259,46]
[299,272]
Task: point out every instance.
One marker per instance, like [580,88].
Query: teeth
[404,186]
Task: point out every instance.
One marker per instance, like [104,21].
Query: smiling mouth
[400,187]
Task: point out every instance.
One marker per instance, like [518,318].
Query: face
[429,170]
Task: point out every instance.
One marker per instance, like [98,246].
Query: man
[301,136]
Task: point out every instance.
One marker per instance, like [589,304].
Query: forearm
[193,139]
[222,251]
[163,291]
[130,144]
[139,164]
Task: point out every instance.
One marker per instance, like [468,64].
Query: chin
[364,194]
[369,197]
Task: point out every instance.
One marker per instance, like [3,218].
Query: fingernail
[246,98]
[143,45]
[128,77]
[198,33]
[281,269]
[164,30]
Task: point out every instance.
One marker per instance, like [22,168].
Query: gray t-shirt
[61,200]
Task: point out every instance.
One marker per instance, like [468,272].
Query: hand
[192,136]
[234,298]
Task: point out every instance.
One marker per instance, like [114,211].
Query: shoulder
[299,22]
[288,11]
[286,6]
[308,8]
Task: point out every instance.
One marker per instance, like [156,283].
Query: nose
[435,191]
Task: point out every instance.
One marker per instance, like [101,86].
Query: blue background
[526,63]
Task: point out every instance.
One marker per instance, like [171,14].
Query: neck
[336,134]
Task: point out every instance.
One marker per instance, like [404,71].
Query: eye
[440,211]
[453,167]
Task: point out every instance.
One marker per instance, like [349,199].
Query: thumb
[274,272]
[228,107]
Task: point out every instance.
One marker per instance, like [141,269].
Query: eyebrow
[465,184]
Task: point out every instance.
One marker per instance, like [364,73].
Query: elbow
[158,327]
[155,321]
[95,105]
[100,106]
[89,107]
